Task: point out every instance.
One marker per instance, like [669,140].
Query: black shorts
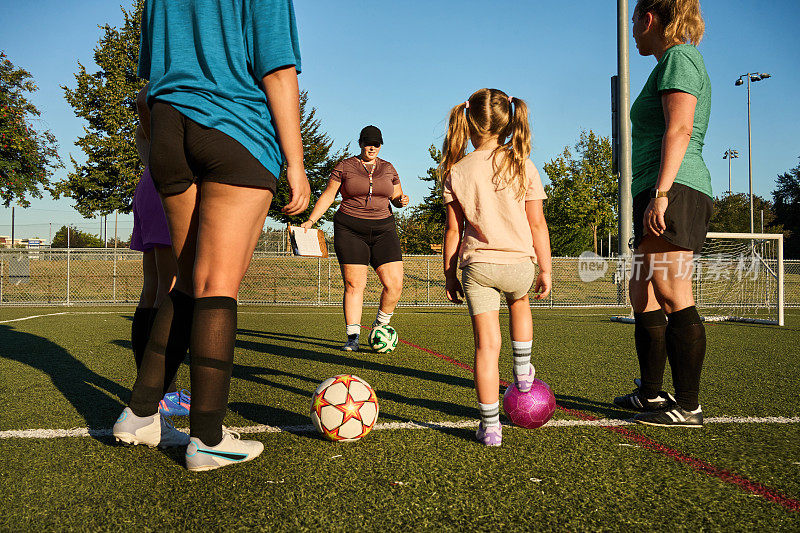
[687,217]
[360,241]
[183,151]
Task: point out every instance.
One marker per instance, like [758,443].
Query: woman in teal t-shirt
[224,118]
[671,209]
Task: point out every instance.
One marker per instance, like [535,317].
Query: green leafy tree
[26,153]
[421,228]
[582,195]
[732,214]
[786,198]
[319,161]
[76,239]
[106,100]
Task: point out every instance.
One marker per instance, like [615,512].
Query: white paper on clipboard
[306,243]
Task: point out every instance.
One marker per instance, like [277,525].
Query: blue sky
[403,65]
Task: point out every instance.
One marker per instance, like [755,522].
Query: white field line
[120,312]
[387,426]
[62,313]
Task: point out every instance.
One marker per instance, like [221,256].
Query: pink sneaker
[490,436]
[524,382]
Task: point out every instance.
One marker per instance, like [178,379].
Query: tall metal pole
[625,207]
[12,227]
[729,174]
[749,155]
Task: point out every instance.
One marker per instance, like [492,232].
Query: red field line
[699,465]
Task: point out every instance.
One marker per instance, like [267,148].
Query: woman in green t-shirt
[671,209]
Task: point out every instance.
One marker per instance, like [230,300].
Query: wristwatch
[655,193]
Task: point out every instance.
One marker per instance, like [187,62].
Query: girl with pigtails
[495,233]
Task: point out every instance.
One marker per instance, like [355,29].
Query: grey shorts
[484,282]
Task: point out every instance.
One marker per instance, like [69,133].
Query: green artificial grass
[75,370]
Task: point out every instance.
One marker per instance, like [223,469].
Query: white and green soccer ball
[383,339]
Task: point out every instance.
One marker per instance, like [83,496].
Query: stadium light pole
[625,208]
[751,76]
[729,154]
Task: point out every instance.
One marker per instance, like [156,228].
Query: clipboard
[309,243]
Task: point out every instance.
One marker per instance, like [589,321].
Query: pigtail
[516,150]
[455,141]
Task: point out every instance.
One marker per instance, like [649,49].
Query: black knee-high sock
[140,331]
[172,387]
[651,350]
[211,347]
[166,349]
[686,348]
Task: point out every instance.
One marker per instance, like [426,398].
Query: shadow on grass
[352,362]
[92,395]
[601,409]
[267,415]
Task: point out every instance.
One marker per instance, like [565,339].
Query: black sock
[686,348]
[140,331]
[211,347]
[172,387]
[166,349]
[651,350]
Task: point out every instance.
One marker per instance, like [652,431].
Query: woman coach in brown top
[364,232]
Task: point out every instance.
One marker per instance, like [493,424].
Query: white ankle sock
[383,318]
[353,329]
[490,413]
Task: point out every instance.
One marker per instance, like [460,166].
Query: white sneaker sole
[127,438]
[204,468]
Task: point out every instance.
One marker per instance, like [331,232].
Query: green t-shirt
[680,68]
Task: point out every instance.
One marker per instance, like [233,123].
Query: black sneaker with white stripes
[637,402]
[674,415]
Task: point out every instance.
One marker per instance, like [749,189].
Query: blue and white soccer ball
[383,339]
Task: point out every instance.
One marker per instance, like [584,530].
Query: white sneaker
[230,450]
[155,430]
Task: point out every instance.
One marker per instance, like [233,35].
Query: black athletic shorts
[183,151]
[361,241]
[687,216]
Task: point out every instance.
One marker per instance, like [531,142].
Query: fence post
[319,280]
[1,280]
[114,290]
[69,250]
[329,279]
[428,278]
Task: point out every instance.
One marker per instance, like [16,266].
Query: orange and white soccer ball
[344,408]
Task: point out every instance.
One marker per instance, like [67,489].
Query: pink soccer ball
[530,409]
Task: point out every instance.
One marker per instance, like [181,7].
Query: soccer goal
[738,277]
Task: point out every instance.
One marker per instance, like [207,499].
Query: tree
[106,100]
[582,195]
[26,153]
[77,239]
[319,162]
[787,209]
[732,214]
[421,229]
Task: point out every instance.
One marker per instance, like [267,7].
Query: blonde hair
[491,113]
[681,19]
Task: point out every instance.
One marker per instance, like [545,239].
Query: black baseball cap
[370,136]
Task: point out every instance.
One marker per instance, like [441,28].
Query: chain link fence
[108,276]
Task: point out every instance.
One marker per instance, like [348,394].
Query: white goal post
[739,277]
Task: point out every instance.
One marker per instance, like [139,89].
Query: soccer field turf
[586,470]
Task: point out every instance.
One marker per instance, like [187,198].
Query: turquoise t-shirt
[207,58]
[680,68]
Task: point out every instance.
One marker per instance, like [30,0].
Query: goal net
[738,277]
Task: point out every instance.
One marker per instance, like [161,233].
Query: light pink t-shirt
[496,227]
